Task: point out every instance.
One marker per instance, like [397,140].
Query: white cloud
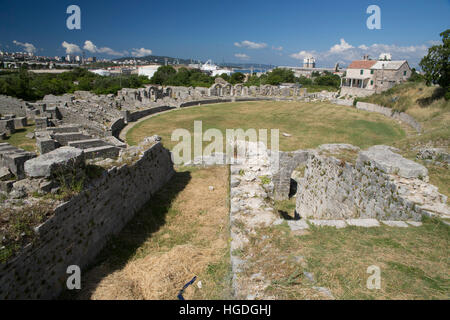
[242,56]
[92,48]
[142,52]
[28,47]
[302,55]
[344,53]
[250,45]
[277,48]
[342,46]
[71,48]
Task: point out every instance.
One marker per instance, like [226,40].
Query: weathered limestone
[401,116]
[64,138]
[64,129]
[288,162]
[41,123]
[343,102]
[11,105]
[367,223]
[110,152]
[45,145]
[79,228]
[86,144]
[392,163]
[251,187]
[7,125]
[380,185]
[434,155]
[14,159]
[20,123]
[55,162]
[5,174]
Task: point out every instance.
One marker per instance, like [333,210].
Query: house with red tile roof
[366,77]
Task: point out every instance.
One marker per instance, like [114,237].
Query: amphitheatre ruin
[94,163]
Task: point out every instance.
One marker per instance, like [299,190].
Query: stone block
[45,145]
[5,174]
[366,223]
[16,161]
[55,162]
[102,152]
[115,142]
[298,225]
[392,163]
[64,129]
[87,144]
[20,123]
[6,186]
[65,138]
[339,224]
[41,123]
[7,126]
[398,224]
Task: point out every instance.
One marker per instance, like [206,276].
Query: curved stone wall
[80,228]
[401,116]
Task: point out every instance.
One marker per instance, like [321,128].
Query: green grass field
[309,124]
[19,139]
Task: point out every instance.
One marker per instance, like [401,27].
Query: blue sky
[279,32]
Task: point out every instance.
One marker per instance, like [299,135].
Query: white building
[214,70]
[101,72]
[148,71]
[309,63]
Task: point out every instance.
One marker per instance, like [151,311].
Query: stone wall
[135,116]
[356,92]
[116,127]
[380,185]
[10,105]
[343,102]
[401,116]
[288,162]
[80,228]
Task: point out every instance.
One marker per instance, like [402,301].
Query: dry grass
[414,262]
[186,237]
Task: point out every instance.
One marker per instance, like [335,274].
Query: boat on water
[214,70]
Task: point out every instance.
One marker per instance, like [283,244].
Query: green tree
[237,77]
[436,64]
[163,74]
[415,76]
[224,76]
[278,76]
[329,79]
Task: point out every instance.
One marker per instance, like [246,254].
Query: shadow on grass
[17,131]
[123,247]
[438,93]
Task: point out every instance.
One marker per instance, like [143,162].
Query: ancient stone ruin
[77,139]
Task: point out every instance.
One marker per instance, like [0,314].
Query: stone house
[366,77]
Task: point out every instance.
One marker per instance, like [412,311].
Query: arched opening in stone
[296,176]
[293,188]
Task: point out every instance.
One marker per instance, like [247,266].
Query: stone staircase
[71,136]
